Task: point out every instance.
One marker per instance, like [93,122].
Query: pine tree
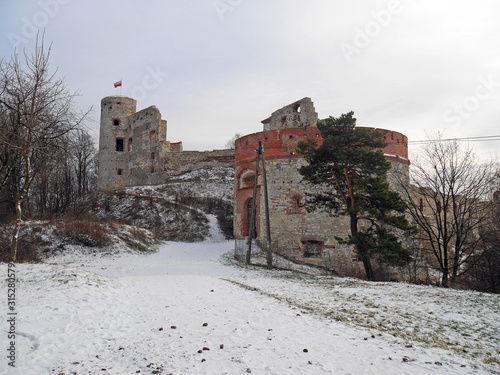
[350,172]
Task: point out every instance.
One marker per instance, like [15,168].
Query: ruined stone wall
[177,163]
[300,114]
[147,147]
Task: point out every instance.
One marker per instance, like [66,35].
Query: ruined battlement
[300,114]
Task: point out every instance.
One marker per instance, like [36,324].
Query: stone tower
[134,151]
[114,141]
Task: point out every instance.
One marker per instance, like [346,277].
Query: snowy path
[147,314]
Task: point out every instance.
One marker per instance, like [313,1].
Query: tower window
[152,156]
[119,171]
[116,121]
[119,144]
[152,135]
[152,169]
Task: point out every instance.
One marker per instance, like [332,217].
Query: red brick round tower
[302,236]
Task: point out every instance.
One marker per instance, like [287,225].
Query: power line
[485,138]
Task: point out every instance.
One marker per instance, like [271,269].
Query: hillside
[185,310]
[193,207]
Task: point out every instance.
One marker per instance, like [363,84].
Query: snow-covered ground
[189,309]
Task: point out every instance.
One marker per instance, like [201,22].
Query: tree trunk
[444,280]
[15,238]
[19,201]
[360,249]
[368,268]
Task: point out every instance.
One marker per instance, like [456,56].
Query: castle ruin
[133,148]
[133,151]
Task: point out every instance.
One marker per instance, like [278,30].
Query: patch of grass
[412,314]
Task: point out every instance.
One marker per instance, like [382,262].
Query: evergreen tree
[350,171]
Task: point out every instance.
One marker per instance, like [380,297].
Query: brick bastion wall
[304,237]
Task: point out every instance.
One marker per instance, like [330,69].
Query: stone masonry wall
[300,114]
[176,163]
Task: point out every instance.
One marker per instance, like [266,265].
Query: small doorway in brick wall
[247,215]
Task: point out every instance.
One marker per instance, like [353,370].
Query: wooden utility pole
[266,204]
[252,226]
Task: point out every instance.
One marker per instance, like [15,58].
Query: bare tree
[485,275]
[41,111]
[448,199]
[230,142]
[83,153]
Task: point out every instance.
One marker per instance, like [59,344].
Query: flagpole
[121,80]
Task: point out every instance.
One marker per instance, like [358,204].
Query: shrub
[85,232]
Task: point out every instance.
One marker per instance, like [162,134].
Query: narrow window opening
[116,121]
[119,171]
[119,144]
[152,135]
[152,156]
[152,169]
[421,205]
[312,249]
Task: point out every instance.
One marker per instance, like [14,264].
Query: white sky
[222,66]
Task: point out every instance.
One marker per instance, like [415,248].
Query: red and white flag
[117,84]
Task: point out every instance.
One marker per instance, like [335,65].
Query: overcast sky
[217,67]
